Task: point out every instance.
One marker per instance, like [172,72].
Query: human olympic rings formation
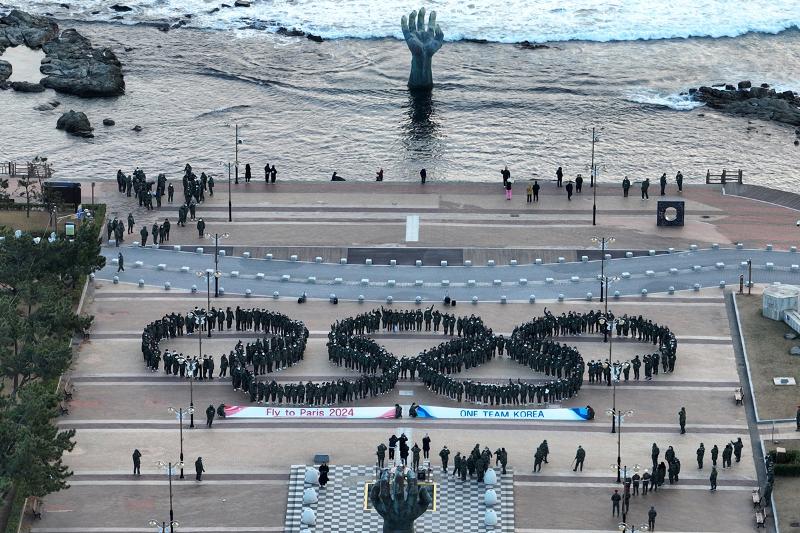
[531,344]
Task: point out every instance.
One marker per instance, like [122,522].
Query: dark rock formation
[119,8]
[5,70]
[527,45]
[27,87]
[137,128]
[108,122]
[49,106]
[19,27]
[75,123]
[294,32]
[759,102]
[72,66]
[315,38]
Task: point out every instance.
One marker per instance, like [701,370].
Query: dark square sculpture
[670,213]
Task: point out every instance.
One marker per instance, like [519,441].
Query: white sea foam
[497,21]
[676,101]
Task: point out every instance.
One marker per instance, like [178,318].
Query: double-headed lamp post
[603,241]
[216,274]
[164,527]
[216,237]
[620,416]
[180,411]
[631,528]
[169,468]
[190,366]
[626,480]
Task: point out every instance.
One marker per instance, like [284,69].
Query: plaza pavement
[118,405]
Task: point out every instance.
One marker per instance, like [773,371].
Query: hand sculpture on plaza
[398,507]
[423,43]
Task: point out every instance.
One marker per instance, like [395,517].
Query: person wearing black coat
[210,415]
[198,469]
[137,462]
[323,474]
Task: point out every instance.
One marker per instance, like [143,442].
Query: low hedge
[787,470]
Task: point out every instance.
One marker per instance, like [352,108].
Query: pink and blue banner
[575,414]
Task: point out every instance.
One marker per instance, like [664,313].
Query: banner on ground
[423,411]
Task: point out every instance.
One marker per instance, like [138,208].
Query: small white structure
[307,517]
[778,299]
[309,496]
[311,476]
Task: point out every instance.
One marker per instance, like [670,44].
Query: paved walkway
[656,274]
[118,405]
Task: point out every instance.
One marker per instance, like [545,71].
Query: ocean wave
[510,21]
[676,101]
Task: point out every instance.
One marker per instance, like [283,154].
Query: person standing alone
[137,462]
[198,469]
[651,518]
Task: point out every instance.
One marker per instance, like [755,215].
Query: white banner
[423,411]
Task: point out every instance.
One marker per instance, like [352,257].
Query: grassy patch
[768,354]
[16,509]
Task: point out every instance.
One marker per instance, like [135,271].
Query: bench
[36,506]
[69,388]
[761,518]
[756,495]
[63,408]
[738,396]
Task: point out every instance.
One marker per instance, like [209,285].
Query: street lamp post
[236,161]
[190,367]
[168,467]
[593,178]
[208,274]
[179,411]
[217,275]
[616,368]
[603,241]
[631,528]
[230,206]
[161,527]
[620,416]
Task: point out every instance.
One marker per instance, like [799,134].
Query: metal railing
[725,177]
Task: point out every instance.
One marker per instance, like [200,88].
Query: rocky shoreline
[71,64]
[761,102]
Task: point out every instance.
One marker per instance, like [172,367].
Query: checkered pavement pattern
[340,508]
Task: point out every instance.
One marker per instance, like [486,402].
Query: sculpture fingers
[421,19]
[404,27]
[432,22]
[439,35]
[412,21]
